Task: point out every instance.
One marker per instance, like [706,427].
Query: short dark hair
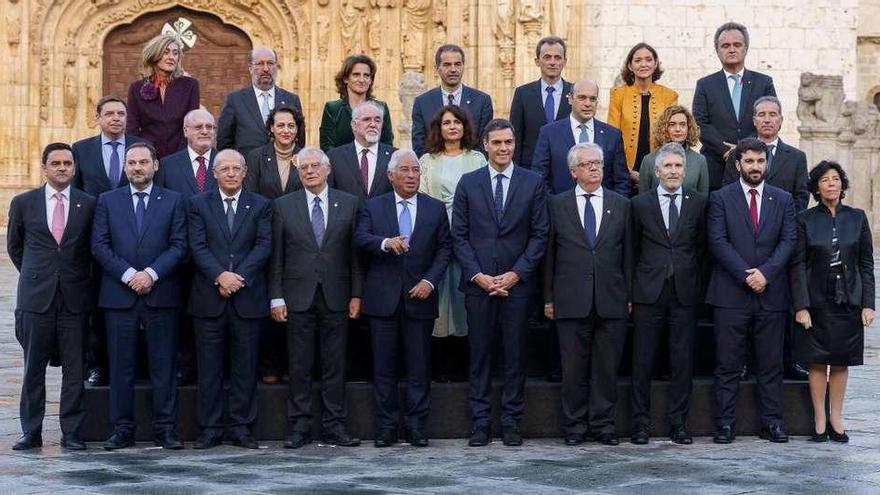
[628,76]
[434,142]
[551,40]
[820,170]
[298,119]
[447,48]
[54,147]
[731,26]
[497,125]
[108,99]
[348,66]
[765,99]
[749,144]
[143,144]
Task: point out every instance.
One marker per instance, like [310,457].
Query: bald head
[199,130]
[584,98]
[263,67]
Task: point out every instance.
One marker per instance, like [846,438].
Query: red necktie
[365,170]
[58,218]
[753,208]
[201,173]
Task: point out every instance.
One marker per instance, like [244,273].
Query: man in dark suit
[405,237]
[499,231]
[315,284]
[48,239]
[140,247]
[587,291]
[723,100]
[99,169]
[751,231]
[540,102]
[449,65]
[669,231]
[556,139]
[360,167]
[230,239]
[243,117]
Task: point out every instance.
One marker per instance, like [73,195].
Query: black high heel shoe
[820,437]
[837,437]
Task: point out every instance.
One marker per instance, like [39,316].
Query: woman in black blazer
[272,167]
[832,284]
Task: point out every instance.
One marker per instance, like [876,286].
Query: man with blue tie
[752,233]
[230,239]
[140,246]
[405,237]
[556,138]
[499,232]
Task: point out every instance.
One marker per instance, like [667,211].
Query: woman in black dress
[833,293]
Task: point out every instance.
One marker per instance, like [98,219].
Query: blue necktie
[770,149]
[550,105]
[589,221]
[583,137]
[113,175]
[141,210]
[404,222]
[499,196]
[736,94]
[318,220]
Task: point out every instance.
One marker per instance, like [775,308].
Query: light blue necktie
[115,167]
[404,222]
[736,95]
[318,220]
[550,105]
[583,137]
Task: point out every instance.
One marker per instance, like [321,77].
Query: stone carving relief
[438,17]
[71,89]
[820,98]
[531,17]
[411,85]
[322,25]
[504,30]
[12,18]
[415,20]
[93,89]
[353,29]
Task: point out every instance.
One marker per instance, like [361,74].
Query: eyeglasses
[202,127]
[590,164]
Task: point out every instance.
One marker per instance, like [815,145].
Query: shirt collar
[148,190]
[311,196]
[50,191]
[774,143]
[746,187]
[259,91]
[358,148]
[456,93]
[398,198]
[507,172]
[558,87]
[662,190]
[193,155]
[575,123]
[105,140]
[741,73]
[223,195]
[579,191]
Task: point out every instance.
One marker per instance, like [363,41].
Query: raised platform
[449,411]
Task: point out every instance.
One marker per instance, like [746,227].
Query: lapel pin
[335,205]
[687,197]
[77,205]
[387,153]
[608,211]
[247,207]
[467,102]
[158,197]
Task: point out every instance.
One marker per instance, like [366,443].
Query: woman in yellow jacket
[637,103]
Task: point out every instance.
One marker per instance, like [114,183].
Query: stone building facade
[59,56]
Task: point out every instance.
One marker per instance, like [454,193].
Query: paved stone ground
[448,466]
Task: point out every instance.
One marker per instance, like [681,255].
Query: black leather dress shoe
[510,436]
[97,377]
[385,438]
[796,371]
[416,437]
[297,439]
[640,435]
[29,441]
[479,437]
[572,439]
[608,438]
[245,440]
[72,442]
[837,437]
[680,435]
[774,433]
[340,438]
[168,440]
[724,435]
[207,441]
[820,437]
[119,440]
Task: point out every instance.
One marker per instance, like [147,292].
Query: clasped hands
[756,281]
[499,285]
[398,245]
[141,283]
[229,283]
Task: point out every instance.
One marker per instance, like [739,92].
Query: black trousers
[488,319]
[591,349]
[273,348]
[649,320]
[415,334]
[41,334]
[237,337]
[734,329]
[326,329]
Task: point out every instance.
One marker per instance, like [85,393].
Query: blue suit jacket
[389,276]
[117,246]
[515,242]
[91,176]
[551,152]
[736,247]
[426,105]
[176,173]
[214,250]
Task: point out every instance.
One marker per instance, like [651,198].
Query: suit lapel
[564,106]
[657,213]
[608,209]
[154,203]
[742,205]
[74,215]
[768,208]
[390,209]
[779,159]
[745,95]
[40,208]
[486,186]
[253,106]
[512,191]
[332,215]
[241,213]
[126,197]
[96,151]
[721,88]
[599,134]
[302,216]
[570,205]
[380,175]
[218,209]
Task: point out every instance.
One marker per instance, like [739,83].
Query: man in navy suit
[723,101]
[140,246]
[99,163]
[230,239]
[555,139]
[405,237]
[540,102]
[499,231]
[449,65]
[751,231]
[243,117]
[49,242]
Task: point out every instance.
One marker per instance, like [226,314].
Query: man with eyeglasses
[243,118]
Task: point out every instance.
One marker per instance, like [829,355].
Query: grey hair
[313,152]
[731,26]
[356,111]
[771,99]
[187,119]
[230,152]
[666,150]
[573,153]
[399,155]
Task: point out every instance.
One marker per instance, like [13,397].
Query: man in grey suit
[588,291]
[243,118]
[315,286]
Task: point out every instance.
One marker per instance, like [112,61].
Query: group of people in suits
[269,250]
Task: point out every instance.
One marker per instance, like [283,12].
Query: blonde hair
[659,136]
[153,51]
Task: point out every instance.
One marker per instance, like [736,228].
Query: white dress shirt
[664,203]
[746,188]
[372,156]
[595,202]
[129,273]
[195,165]
[576,131]
[557,94]
[259,92]
[730,81]
[224,197]
[107,151]
[50,204]
[456,95]
[505,183]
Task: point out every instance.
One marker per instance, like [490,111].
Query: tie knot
[364,152]
[753,192]
[141,195]
[734,77]
[59,196]
[404,203]
[588,195]
[200,159]
[770,148]
[114,144]
[550,89]
[671,196]
[229,201]
[583,126]
[499,177]
[317,200]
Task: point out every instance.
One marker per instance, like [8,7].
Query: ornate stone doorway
[217,57]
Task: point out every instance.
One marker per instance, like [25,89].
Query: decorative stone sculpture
[411,85]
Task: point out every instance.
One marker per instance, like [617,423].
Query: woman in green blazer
[355,85]
[676,125]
